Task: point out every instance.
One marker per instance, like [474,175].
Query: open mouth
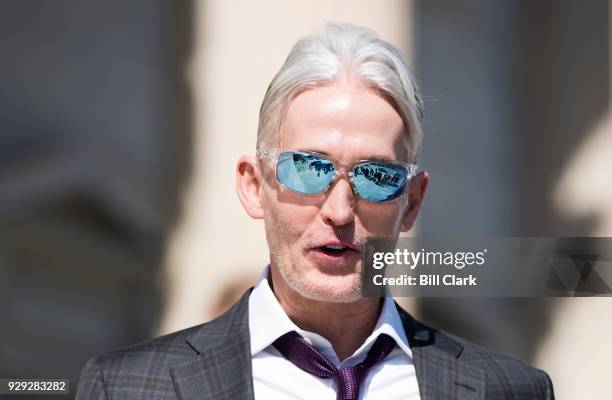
[334,250]
[335,258]
[337,251]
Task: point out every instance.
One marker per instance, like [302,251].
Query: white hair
[339,52]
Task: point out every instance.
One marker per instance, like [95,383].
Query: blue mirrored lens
[304,172]
[379,181]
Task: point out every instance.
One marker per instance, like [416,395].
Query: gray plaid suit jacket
[213,361]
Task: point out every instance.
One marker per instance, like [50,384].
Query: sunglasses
[311,173]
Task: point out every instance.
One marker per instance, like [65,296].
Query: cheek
[287,212]
[381,219]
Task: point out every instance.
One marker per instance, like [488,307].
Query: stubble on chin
[345,290]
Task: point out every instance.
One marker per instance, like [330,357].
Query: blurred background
[121,122]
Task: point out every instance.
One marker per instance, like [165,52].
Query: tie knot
[347,379]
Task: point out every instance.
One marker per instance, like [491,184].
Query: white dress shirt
[274,377]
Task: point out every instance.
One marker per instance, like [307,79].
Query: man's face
[347,123]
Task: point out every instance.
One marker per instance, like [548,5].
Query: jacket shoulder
[140,370]
[160,350]
[506,377]
[495,361]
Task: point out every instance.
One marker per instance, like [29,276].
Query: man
[338,138]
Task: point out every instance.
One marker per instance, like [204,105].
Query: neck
[345,325]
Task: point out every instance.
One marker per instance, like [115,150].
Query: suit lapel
[221,369]
[440,372]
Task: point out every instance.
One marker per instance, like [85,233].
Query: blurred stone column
[578,350]
[83,163]
[238,47]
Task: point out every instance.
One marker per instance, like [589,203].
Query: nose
[339,206]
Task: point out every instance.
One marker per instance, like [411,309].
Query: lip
[348,245]
[342,258]
[339,260]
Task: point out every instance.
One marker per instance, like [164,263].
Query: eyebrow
[378,158]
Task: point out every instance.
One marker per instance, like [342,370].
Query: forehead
[346,121]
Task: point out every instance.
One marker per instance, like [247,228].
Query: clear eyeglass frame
[273,153]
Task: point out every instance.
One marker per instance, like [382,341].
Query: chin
[344,291]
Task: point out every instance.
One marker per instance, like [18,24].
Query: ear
[416,193]
[249,186]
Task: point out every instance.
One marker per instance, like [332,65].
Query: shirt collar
[268,321]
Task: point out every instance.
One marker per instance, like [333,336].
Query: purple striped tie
[347,379]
